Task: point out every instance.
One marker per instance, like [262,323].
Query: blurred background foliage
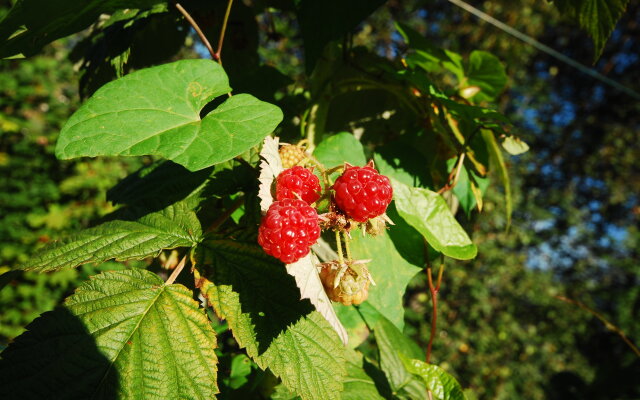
[502,331]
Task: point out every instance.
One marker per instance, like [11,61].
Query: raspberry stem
[339,248]
[346,246]
[176,271]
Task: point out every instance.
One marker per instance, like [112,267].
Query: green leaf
[514,146]
[31,24]
[392,345]
[496,155]
[390,271]
[442,385]
[358,385]
[597,17]
[401,160]
[486,72]
[320,23]
[429,214]
[262,305]
[340,148]
[123,334]
[464,189]
[427,55]
[156,111]
[174,226]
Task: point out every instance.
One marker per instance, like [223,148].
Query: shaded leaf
[597,17]
[390,271]
[161,183]
[393,345]
[496,155]
[468,190]
[260,302]
[358,385]
[485,71]
[317,31]
[156,111]
[174,226]
[442,385]
[337,149]
[31,24]
[427,55]
[123,334]
[429,214]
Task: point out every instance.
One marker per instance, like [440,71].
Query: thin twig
[195,26]
[222,32]
[602,319]
[176,271]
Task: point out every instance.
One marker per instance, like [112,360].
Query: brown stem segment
[433,289]
[176,271]
[195,26]
[218,53]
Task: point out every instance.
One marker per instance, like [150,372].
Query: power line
[544,48]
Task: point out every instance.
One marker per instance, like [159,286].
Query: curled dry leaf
[270,167]
[307,279]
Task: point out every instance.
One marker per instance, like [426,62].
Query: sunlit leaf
[514,146]
[156,111]
[174,226]
[262,306]
[123,334]
[442,385]
[428,213]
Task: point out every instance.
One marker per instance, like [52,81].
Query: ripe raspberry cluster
[292,225]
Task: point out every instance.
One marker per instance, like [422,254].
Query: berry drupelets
[288,230]
[298,183]
[362,193]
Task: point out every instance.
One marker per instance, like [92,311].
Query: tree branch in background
[602,319]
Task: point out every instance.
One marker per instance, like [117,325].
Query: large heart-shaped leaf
[123,334]
[156,111]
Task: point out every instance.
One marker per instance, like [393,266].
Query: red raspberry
[298,181]
[288,230]
[362,193]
